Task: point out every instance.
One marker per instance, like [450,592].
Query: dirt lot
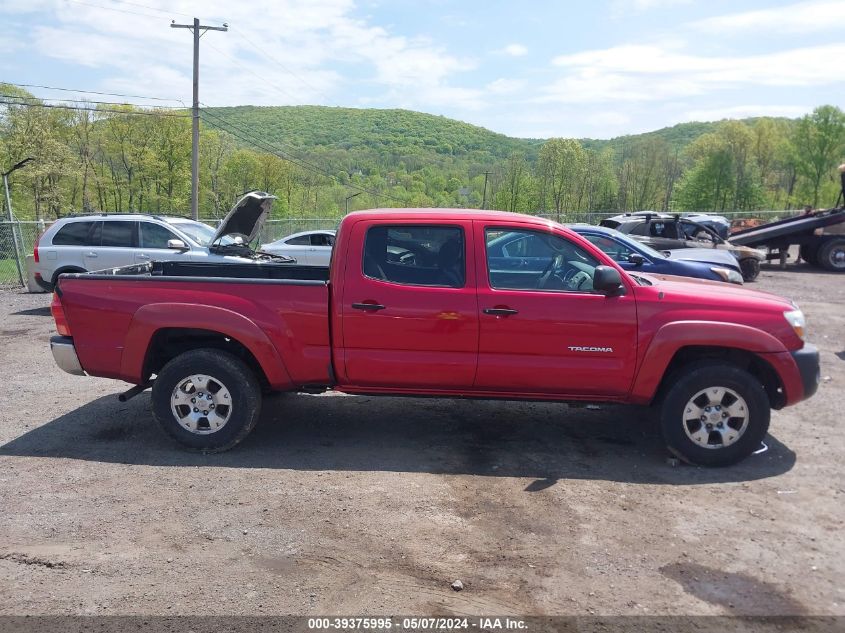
[357,505]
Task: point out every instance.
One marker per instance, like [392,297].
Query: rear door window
[416,255]
[74,234]
[322,239]
[118,233]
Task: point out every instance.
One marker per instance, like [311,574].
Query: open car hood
[247,217]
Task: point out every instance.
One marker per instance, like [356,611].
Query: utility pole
[12,217]
[198,31]
[484,199]
[348,198]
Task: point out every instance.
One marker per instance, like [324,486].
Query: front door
[542,327]
[409,312]
[152,244]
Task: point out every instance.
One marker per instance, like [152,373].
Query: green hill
[372,133]
[356,136]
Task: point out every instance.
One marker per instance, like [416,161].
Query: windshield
[633,245]
[644,248]
[200,233]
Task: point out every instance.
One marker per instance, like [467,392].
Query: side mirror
[607,279]
[177,245]
[636,259]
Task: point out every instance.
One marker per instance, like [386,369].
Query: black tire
[831,254]
[62,271]
[750,268]
[699,377]
[227,371]
[808,253]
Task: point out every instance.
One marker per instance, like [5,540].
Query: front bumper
[64,353]
[807,361]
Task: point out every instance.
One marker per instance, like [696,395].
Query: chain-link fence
[26,234]
[13,262]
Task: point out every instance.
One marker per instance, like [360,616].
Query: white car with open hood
[84,243]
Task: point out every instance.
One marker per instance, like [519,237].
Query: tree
[560,166]
[818,140]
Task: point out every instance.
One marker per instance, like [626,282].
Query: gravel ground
[357,505]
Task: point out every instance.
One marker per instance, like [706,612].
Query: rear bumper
[807,361]
[64,353]
[47,286]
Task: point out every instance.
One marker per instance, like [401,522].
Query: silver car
[310,248]
[101,241]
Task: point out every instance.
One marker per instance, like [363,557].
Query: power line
[266,144]
[64,107]
[91,92]
[267,83]
[267,55]
[295,160]
[100,6]
[248,137]
[136,105]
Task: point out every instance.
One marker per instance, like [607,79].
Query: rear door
[409,313]
[111,245]
[297,247]
[542,329]
[320,252]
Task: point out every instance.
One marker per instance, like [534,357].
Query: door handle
[500,311]
[368,307]
[91,254]
[142,256]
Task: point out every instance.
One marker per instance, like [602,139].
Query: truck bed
[275,310]
[782,230]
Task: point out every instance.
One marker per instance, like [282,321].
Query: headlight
[796,319]
[728,274]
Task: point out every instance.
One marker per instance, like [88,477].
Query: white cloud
[802,17]
[504,86]
[742,111]
[515,50]
[294,54]
[609,118]
[638,73]
[621,7]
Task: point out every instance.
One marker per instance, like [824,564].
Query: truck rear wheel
[714,414]
[831,254]
[750,268]
[206,400]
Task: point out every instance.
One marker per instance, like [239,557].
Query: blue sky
[533,69]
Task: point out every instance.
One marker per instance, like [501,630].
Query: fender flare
[153,317]
[673,336]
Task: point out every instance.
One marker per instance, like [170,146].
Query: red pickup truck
[451,303]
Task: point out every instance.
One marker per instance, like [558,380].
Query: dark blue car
[636,256]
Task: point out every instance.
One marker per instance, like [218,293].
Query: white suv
[96,242]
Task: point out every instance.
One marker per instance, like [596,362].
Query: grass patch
[9,272]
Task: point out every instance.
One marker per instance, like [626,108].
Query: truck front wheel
[714,414]
[750,268]
[207,400]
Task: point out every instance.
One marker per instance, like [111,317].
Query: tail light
[58,312]
[35,250]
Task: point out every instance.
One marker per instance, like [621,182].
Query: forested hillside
[110,157]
